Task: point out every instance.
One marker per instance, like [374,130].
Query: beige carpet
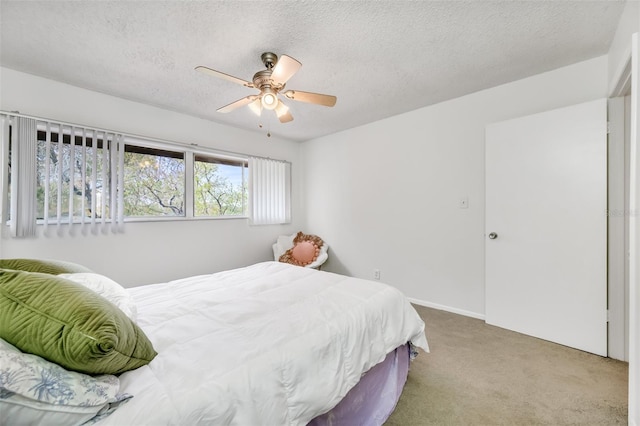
[477,374]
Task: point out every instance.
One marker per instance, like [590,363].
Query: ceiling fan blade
[312,98]
[282,111]
[227,77]
[285,68]
[286,118]
[237,104]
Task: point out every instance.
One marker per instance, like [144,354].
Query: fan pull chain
[268,129]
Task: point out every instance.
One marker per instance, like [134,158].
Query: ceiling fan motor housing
[262,79]
[269,59]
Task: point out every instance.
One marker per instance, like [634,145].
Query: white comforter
[269,344]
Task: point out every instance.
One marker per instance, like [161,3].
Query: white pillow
[107,288]
[34,391]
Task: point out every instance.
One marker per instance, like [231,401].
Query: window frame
[190,152]
[190,155]
[149,145]
[229,161]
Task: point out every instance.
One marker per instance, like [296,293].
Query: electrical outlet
[376,274]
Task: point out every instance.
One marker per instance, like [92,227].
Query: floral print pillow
[34,390]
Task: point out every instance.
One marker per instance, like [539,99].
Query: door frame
[617,224]
[627,80]
[634,241]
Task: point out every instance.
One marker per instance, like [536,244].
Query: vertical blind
[79,178]
[269,189]
[23,180]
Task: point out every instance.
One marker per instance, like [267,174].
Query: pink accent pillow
[305,252]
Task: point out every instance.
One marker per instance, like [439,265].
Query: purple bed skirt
[374,398]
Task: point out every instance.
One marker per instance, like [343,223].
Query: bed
[269,344]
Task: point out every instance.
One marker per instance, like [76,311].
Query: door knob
[493,236]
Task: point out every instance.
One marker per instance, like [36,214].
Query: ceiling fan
[271,82]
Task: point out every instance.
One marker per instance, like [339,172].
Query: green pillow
[53,267]
[69,325]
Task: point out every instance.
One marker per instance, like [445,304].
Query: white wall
[385,195]
[150,251]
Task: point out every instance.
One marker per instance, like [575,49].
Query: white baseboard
[446,308]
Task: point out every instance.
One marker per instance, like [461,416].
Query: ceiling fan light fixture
[281,109]
[269,99]
[256,107]
[282,112]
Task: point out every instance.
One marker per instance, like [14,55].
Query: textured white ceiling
[379,58]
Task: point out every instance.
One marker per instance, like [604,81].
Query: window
[73,175]
[219,187]
[154,182]
[76,174]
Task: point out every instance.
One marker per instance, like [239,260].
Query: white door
[546,270]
